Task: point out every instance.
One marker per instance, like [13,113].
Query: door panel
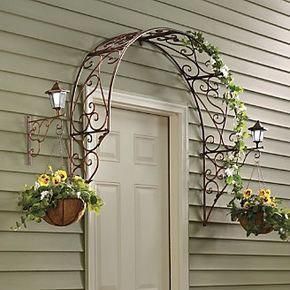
[132,230]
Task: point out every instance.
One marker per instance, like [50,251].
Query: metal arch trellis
[90,119]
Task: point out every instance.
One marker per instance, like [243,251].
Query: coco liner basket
[257,224]
[258,211]
[57,199]
[67,211]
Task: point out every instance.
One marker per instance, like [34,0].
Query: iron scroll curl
[90,118]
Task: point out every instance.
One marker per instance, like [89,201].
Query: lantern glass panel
[57,100]
[258,135]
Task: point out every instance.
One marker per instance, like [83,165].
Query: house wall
[41,41]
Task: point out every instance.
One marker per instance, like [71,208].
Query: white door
[133,229]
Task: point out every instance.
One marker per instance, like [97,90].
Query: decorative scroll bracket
[36,133]
[208,156]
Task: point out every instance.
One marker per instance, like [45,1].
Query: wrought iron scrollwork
[37,131]
[90,110]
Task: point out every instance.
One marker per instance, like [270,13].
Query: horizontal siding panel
[195,198]
[8,220]
[244,287]
[269,173]
[33,86]
[15,261]
[19,25]
[237,262]
[11,122]
[256,70]
[234,19]
[138,55]
[231,231]
[270,117]
[174,15]
[32,67]
[23,84]
[45,242]
[221,278]
[37,48]
[8,201]
[274,146]
[279,189]
[279,6]
[218,215]
[278,129]
[41,106]
[208,246]
[250,9]
[111,29]
[35,281]
[72,56]
[39,164]
[267,161]
[16,143]
[262,86]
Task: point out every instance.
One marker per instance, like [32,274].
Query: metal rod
[28,139]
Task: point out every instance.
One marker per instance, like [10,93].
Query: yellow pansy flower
[268,192]
[247,193]
[43,180]
[56,180]
[246,204]
[62,174]
[262,192]
[267,200]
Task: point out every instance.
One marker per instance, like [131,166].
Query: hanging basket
[67,211]
[260,226]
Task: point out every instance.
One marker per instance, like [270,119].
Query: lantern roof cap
[56,88]
[257,127]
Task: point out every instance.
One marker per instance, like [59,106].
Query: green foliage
[48,190]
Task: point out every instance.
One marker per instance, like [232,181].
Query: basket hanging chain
[261,177]
[58,145]
[252,173]
[257,168]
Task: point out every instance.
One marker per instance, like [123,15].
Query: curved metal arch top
[90,110]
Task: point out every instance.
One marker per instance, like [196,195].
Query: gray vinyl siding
[41,41]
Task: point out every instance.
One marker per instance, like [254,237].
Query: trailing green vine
[232,100]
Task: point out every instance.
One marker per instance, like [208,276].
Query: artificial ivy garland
[231,98]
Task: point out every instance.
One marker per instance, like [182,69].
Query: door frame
[178,189]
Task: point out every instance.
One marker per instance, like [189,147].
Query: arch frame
[90,122]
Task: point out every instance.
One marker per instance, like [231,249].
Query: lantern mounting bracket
[37,131]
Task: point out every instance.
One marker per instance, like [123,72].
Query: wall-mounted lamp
[57,97]
[257,132]
[37,129]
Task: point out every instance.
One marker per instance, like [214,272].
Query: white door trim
[178,180]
